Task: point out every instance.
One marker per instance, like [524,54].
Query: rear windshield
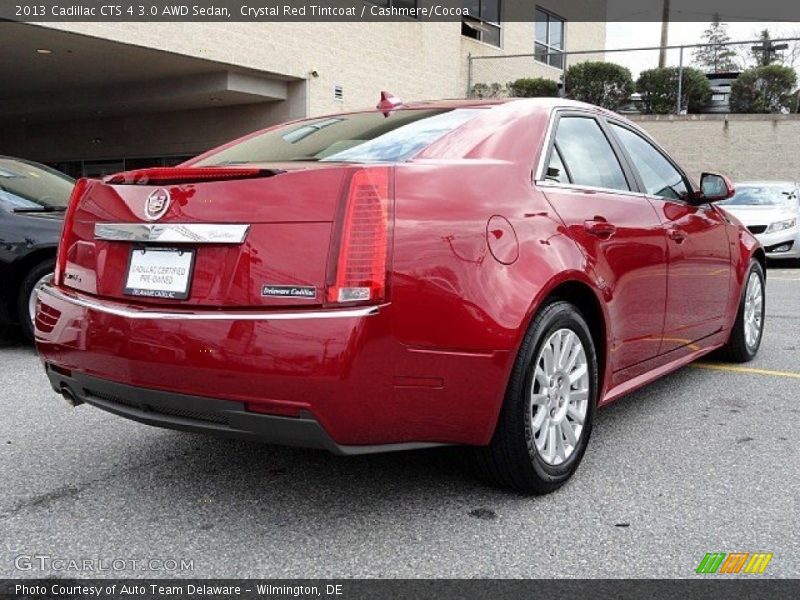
[763,195]
[359,137]
[27,186]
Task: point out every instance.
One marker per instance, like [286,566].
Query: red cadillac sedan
[476,273]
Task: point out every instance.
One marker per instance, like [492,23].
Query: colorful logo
[734,562]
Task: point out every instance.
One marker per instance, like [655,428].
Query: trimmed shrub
[602,83]
[659,90]
[766,89]
[537,87]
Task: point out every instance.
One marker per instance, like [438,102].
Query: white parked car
[771,211]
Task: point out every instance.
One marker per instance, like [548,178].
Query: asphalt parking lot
[704,460]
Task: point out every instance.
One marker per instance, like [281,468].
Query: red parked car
[476,273]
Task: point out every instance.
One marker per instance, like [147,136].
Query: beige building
[94,98]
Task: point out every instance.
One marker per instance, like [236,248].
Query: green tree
[716,57]
[765,89]
[602,83]
[533,88]
[659,90]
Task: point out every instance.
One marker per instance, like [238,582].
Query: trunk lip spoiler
[165,176]
[172,233]
[119,310]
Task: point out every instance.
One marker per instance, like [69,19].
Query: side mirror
[714,187]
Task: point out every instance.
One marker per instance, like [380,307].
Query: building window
[483,22]
[549,39]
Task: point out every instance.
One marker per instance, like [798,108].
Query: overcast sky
[631,35]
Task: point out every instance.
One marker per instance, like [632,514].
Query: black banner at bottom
[743,588]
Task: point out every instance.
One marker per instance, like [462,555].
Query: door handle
[677,234]
[600,227]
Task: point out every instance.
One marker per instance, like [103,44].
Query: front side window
[357,137]
[586,155]
[659,176]
[549,39]
[483,22]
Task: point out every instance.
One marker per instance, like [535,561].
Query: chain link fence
[494,76]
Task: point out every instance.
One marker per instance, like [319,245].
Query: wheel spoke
[569,432]
[556,345]
[539,399]
[551,441]
[541,378]
[549,360]
[561,451]
[576,375]
[575,414]
[579,395]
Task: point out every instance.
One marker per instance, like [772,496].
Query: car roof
[520,103]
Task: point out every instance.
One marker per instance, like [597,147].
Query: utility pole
[767,50]
[662,54]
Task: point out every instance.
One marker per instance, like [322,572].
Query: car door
[618,229]
[699,271]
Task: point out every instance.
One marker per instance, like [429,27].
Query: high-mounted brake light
[69,219]
[167,175]
[363,246]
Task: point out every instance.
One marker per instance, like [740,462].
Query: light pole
[662,54]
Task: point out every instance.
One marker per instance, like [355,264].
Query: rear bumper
[335,379]
[198,414]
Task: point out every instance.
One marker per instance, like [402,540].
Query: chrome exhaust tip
[70,397]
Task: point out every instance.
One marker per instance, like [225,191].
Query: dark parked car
[33,198]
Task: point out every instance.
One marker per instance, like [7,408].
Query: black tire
[38,271]
[737,349]
[511,460]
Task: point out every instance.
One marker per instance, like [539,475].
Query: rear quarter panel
[459,314]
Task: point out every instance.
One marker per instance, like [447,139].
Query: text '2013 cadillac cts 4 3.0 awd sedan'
[476,273]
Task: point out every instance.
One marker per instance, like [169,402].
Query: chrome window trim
[589,188]
[207,315]
[545,148]
[172,233]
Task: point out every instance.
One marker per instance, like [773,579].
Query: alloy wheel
[753,310]
[559,396]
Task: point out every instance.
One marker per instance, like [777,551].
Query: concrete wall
[744,147]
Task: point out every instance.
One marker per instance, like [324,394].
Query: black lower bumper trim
[206,415]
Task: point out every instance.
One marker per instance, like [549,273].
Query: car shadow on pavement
[296,483]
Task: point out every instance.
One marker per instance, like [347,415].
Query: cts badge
[157,204]
[289,291]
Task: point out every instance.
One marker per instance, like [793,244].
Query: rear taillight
[66,232]
[361,259]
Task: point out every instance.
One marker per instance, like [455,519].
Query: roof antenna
[388,103]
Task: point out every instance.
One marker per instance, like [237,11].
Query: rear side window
[358,137]
[659,176]
[587,154]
